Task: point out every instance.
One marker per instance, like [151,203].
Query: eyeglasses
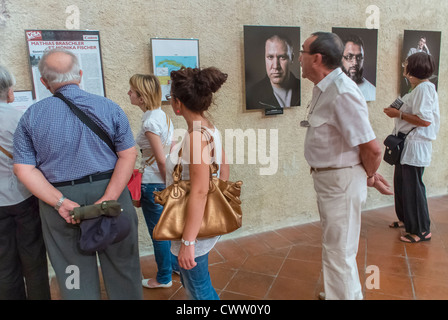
[351,57]
[168,97]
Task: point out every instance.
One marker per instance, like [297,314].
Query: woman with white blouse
[420,117]
[154,140]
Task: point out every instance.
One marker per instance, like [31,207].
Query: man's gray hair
[53,76]
[7,80]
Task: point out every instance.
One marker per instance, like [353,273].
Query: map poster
[85,44]
[170,55]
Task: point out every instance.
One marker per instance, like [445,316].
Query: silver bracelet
[189,243]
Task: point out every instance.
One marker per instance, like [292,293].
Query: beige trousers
[340,196]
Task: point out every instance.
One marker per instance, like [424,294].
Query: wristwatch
[59,203]
[189,243]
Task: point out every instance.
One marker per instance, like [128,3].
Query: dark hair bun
[209,80]
[195,87]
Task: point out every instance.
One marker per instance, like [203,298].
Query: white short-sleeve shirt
[339,123]
[157,122]
[423,101]
[12,191]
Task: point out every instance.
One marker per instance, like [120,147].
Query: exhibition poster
[170,55]
[85,44]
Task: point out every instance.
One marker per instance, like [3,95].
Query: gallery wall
[278,190]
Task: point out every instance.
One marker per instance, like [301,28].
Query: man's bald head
[59,67]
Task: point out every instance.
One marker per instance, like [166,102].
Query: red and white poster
[85,44]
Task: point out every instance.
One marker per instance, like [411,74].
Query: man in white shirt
[341,148]
[421,47]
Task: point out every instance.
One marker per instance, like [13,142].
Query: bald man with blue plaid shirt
[65,164]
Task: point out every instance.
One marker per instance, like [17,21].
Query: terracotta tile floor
[285,264]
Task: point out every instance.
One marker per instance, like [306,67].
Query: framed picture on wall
[360,57]
[272,75]
[85,44]
[420,41]
[170,55]
[22,99]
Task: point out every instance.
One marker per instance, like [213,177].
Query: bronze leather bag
[222,212]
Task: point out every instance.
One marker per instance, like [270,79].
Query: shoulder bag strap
[87,121]
[7,153]
[409,132]
[214,167]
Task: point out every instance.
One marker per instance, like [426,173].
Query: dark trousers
[23,259]
[411,205]
[77,272]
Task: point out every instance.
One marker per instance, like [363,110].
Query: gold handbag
[222,212]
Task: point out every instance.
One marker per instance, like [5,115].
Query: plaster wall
[269,201]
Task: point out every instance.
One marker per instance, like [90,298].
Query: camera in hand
[397,104]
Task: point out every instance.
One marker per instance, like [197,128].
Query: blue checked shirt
[53,139]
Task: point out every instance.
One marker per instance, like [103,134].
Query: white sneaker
[145,283]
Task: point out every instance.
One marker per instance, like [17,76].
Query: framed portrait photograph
[360,57]
[420,41]
[272,68]
[170,55]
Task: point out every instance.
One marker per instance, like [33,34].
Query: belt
[327,169]
[89,178]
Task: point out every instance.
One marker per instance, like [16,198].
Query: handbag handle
[7,153]
[214,167]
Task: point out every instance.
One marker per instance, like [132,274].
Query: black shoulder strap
[409,132]
[87,121]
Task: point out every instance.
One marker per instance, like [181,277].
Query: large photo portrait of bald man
[272,75]
[359,58]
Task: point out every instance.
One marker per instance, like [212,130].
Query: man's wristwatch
[189,243]
[59,203]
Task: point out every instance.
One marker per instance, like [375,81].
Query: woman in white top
[23,257]
[420,117]
[154,140]
[191,96]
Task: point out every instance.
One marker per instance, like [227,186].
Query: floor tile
[285,264]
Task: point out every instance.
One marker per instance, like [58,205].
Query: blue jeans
[166,261]
[197,281]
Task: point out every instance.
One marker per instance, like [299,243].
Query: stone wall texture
[126,27]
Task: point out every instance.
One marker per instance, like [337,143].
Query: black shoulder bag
[394,147]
